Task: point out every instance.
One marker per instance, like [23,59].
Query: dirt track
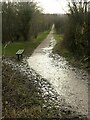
[45,43]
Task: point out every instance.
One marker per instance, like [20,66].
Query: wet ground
[42,98]
[62,88]
[70,83]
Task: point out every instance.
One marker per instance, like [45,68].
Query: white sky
[53,6]
[50,6]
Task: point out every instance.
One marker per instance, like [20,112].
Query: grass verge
[29,46]
[71,58]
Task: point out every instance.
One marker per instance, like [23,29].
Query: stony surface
[69,82]
[51,105]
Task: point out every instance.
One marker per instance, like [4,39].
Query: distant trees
[60,23]
[21,21]
[15,20]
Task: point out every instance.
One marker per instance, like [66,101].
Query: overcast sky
[53,6]
[50,6]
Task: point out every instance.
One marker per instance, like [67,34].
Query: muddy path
[62,88]
[69,82]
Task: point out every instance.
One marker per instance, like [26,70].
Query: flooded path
[69,82]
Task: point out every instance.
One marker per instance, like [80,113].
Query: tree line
[22,21]
[75,27]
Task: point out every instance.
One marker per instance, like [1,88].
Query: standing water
[69,82]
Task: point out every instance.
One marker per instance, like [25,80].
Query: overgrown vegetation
[75,29]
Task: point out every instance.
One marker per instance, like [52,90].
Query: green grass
[59,46]
[58,37]
[29,46]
